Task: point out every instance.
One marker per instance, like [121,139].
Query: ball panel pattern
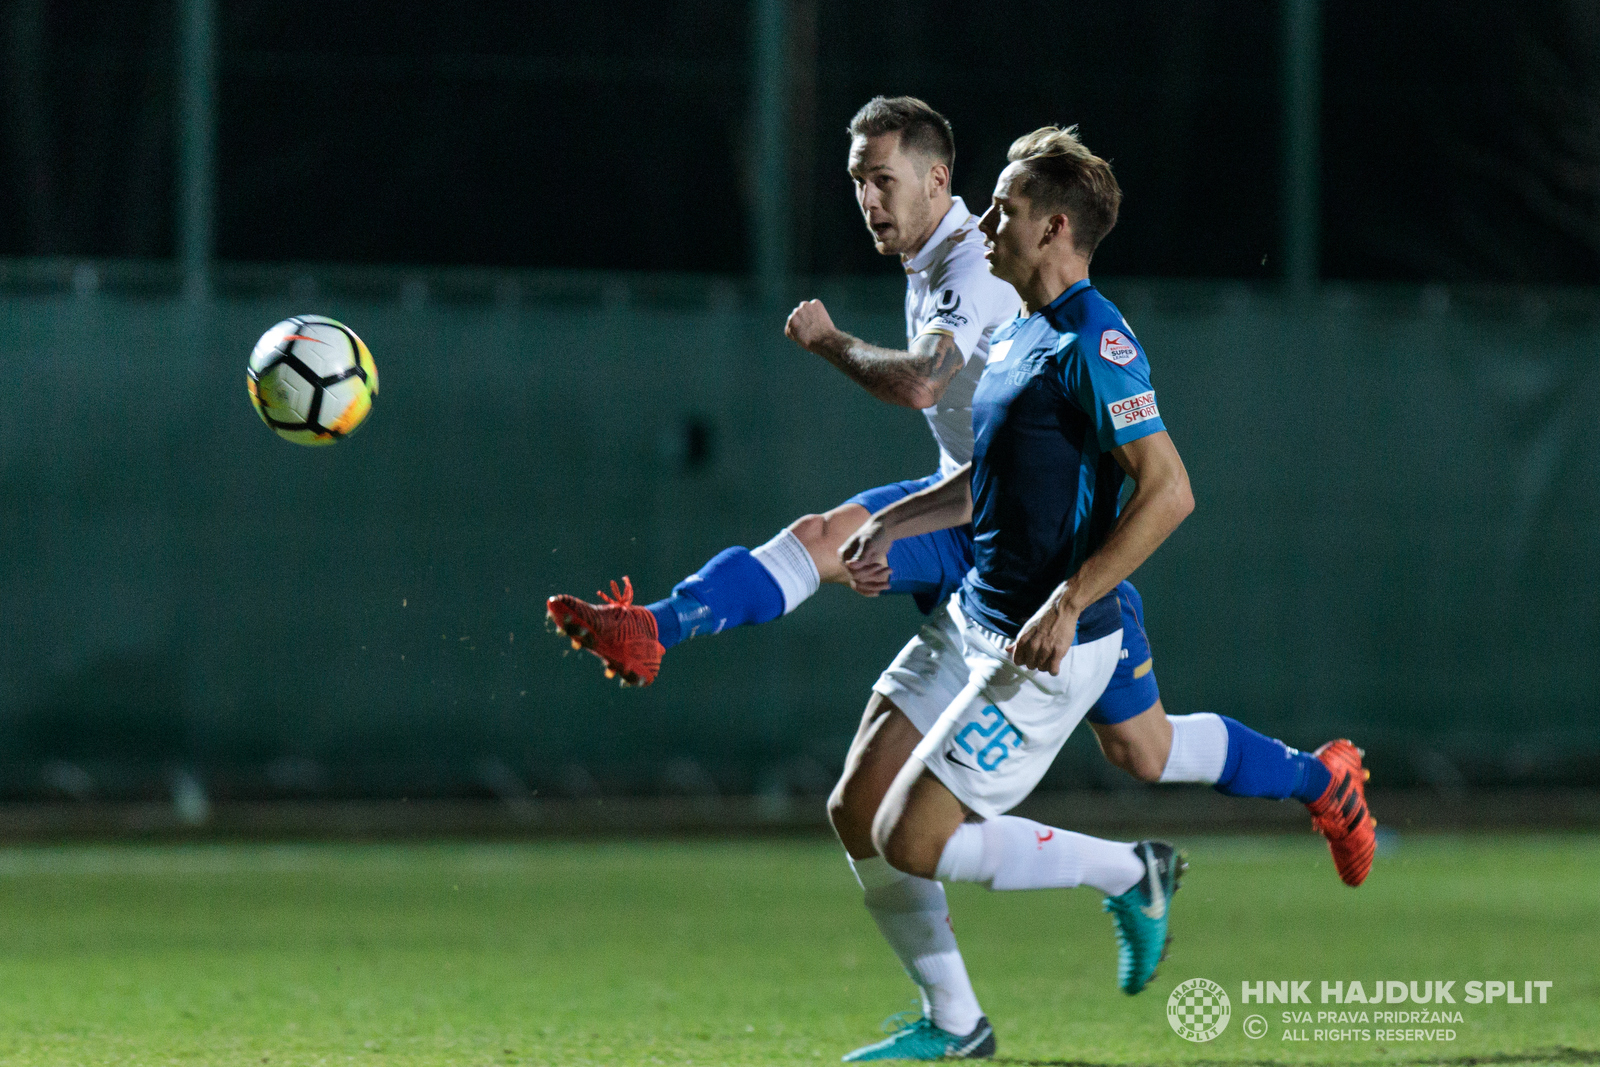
[312,379]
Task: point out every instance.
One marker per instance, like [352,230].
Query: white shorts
[992,749]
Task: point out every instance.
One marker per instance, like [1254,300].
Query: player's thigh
[908,698]
[993,744]
[1127,717]
[823,534]
[882,745]
[1139,745]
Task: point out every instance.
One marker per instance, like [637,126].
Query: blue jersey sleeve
[1107,374]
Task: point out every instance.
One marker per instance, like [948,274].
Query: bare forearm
[941,505]
[1161,500]
[1153,511]
[913,379]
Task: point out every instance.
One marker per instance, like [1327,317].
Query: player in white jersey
[901,153]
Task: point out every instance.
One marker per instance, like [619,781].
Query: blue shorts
[1132,688]
[931,567]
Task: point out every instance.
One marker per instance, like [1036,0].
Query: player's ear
[1059,228]
[938,177]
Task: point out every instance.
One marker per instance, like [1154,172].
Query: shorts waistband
[1101,619]
[999,640]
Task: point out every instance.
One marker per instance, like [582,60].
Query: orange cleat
[621,634]
[1340,814]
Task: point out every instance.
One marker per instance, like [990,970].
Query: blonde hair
[1061,175]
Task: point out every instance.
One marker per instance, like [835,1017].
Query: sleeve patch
[1117,348]
[1132,410]
[947,312]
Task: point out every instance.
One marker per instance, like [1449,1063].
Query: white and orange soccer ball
[312,380]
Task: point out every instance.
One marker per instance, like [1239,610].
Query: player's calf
[1140,745]
[1240,762]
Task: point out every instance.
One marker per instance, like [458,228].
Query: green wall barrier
[1394,540]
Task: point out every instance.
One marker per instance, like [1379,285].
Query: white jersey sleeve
[954,294]
[967,302]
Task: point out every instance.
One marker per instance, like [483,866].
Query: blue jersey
[1062,388]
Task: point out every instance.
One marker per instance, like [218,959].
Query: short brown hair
[921,128]
[1060,175]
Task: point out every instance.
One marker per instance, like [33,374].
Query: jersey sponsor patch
[1132,410]
[1115,346]
[998,350]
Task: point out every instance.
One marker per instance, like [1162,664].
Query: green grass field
[746,952]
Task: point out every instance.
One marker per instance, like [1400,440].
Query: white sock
[912,915]
[791,566]
[1199,749]
[1008,852]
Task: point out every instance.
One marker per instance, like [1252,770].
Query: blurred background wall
[1359,243]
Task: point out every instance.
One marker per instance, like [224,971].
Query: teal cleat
[1141,914]
[918,1039]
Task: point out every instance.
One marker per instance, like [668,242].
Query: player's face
[1015,238]
[896,192]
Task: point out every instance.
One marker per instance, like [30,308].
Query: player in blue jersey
[967,720]
[900,158]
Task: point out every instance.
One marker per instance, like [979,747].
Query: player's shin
[914,918]
[738,587]
[1009,852]
[1240,762]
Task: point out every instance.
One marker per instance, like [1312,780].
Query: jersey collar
[957,217]
[1053,310]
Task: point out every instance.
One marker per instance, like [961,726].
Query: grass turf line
[746,952]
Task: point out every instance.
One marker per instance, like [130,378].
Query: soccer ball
[312,380]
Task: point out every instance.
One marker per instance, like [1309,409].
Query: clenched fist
[810,325]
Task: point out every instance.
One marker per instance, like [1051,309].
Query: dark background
[542,221]
[1460,138]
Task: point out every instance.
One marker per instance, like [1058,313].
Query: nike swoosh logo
[957,762]
[1158,902]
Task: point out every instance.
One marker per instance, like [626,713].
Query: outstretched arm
[865,554]
[1161,499]
[913,379]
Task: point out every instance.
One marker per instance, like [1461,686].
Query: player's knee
[1130,758]
[849,821]
[810,530]
[905,849]
[844,821]
[1141,763]
[1141,757]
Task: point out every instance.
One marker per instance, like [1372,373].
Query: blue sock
[1262,766]
[731,590]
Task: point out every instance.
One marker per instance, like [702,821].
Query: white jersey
[950,291]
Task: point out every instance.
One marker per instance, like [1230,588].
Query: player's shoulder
[1008,329]
[1100,330]
[965,294]
[959,263]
